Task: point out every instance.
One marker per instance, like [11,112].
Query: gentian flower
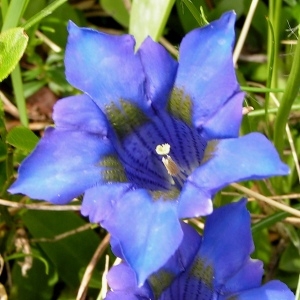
[150,141]
[215,266]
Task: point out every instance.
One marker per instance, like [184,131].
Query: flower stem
[288,97]
[43,13]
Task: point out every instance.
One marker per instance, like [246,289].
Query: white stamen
[169,163]
[163,149]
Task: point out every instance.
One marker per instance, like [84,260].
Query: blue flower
[215,266]
[150,141]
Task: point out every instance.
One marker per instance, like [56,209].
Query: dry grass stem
[244,32]
[265,199]
[39,206]
[62,235]
[91,266]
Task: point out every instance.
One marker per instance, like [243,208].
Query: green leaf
[36,285]
[68,255]
[262,246]
[22,138]
[187,13]
[289,96]
[33,86]
[32,255]
[13,43]
[58,21]
[290,260]
[34,7]
[44,13]
[226,5]
[117,10]
[148,18]
[14,13]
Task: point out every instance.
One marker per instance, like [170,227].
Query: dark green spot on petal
[125,117]
[171,194]
[210,149]
[232,298]
[203,272]
[160,281]
[180,106]
[112,170]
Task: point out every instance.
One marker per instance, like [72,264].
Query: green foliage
[117,10]
[68,255]
[22,138]
[35,285]
[13,43]
[148,18]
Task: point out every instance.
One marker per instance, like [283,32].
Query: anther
[163,149]
[170,165]
[178,175]
[167,160]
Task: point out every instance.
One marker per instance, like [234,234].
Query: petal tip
[71,26]
[285,169]
[229,17]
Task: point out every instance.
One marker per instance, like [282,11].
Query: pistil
[178,175]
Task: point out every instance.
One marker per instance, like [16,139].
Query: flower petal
[178,263]
[79,113]
[245,158]
[148,237]
[189,246]
[118,295]
[121,277]
[66,161]
[273,290]
[248,277]
[227,241]
[105,67]
[160,69]
[194,202]
[225,123]
[122,281]
[206,73]
[121,295]
[100,209]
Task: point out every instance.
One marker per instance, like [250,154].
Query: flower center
[156,153]
[170,165]
[161,154]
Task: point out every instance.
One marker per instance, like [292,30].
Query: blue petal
[206,71]
[248,277]
[120,295]
[180,261]
[189,246]
[148,231]
[227,241]
[273,290]
[122,280]
[62,166]
[246,158]
[160,69]
[121,277]
[225,123]
[194,201]
[79,113]
[105,67]
[99,210]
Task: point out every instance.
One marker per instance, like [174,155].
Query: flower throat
[159,152]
